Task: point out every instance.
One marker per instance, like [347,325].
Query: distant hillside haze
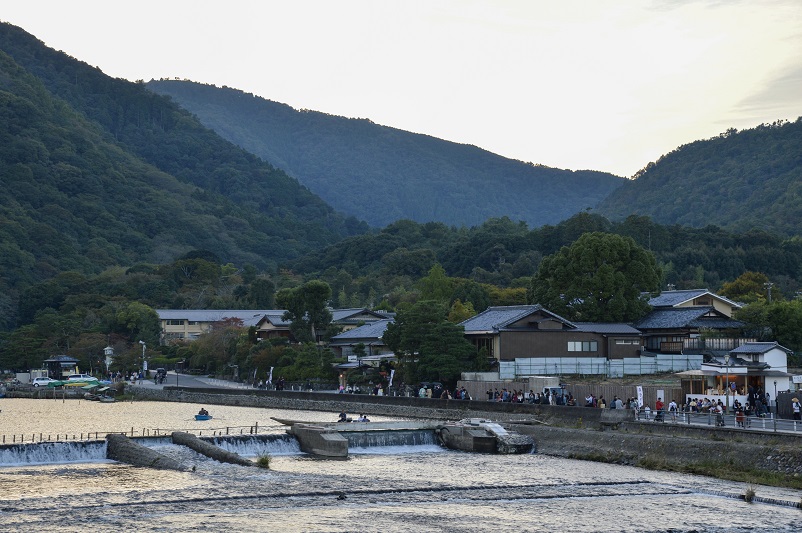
[740,180]
[381,174]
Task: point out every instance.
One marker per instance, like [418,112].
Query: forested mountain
[382,174]
[97,172]
[740,180]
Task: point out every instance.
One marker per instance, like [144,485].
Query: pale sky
[606,85]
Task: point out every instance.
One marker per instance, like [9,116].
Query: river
[409,488]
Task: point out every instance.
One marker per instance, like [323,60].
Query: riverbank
[601,435]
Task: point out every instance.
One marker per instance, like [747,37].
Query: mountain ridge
[382,174]
[740,180]
[80,196]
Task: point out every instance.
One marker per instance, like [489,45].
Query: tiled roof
[674,298]
[758,348]
[249,317]
[276,317]
[346,315]
[494,318]
[683,317]
[736,362]
[374,330]
[607,328]
[715,323]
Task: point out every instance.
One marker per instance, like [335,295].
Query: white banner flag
[270,376]
[640,396]
[392,373]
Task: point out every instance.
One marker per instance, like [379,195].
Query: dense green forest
[98,172]
[505,253]
[80,314]
[381,174]
[740,180]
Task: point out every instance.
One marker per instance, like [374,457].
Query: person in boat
[363,418]
[203,412]
[343,417]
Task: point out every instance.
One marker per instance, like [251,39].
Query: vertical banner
[640,396]
[270,376]
[392,373]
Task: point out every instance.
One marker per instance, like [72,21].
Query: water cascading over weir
[138,450]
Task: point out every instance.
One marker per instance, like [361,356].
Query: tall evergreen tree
[601,277]
[307,308]
[429,347]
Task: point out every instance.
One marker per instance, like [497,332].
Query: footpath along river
[409,488]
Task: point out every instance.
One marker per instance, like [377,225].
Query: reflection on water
[28,418]
[402,489]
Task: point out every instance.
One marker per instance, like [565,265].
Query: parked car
[80,377]
[42,382]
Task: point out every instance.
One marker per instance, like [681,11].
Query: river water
[407,488]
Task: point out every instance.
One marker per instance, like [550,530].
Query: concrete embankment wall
[574,432]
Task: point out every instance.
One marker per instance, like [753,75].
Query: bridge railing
[763,423]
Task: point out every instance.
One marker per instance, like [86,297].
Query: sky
[607,85]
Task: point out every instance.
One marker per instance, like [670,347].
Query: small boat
[203,417]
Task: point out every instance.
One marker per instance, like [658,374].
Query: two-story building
[189,324]
[690,322]
[530,340]
[370,336]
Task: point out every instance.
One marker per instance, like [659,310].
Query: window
[583,346]
[627,341]
[174,322]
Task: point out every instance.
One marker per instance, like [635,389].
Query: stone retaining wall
[650,449]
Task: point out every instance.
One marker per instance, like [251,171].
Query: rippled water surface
[416,488]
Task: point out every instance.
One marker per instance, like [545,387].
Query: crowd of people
[547,397]
[438,391]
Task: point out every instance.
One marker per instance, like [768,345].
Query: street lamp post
[774,414]
[727,360]
[144,361]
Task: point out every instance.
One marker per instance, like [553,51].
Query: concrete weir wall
[574,432]
[209,450]
[121,448]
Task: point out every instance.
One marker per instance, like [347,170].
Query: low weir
[95,451]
